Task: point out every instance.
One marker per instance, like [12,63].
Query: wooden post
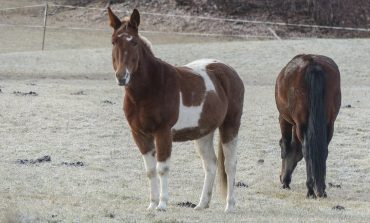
[45,20]
[274,33]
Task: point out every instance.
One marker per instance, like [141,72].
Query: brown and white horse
[308,98]
[164,103]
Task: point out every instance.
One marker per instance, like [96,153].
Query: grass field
[77,116]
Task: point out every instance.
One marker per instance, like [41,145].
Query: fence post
[274,33]
[45,19]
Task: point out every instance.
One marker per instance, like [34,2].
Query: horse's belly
[189,134]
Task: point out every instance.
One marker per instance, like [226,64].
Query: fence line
[230,20]
[274,35]
[214,18]
[21,7]
[142,31]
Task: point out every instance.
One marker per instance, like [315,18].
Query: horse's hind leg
[206,151]
[229,139]
[291,151]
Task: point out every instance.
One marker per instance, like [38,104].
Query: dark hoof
[286,186]
[323,195]
[311,194]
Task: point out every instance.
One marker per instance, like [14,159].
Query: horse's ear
[135,19]
[114,21]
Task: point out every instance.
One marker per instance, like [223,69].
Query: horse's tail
[221,171]
[315,137]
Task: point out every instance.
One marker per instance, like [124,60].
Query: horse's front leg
[163,140]
[146,147]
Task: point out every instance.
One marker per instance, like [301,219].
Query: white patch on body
[189,115]
[199,68]
[150,166]
[163,170]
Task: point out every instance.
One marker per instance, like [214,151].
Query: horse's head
[125,53]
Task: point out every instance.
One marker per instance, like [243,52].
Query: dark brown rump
[233,88]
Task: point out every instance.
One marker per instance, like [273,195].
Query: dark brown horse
[308,97]
[164,103]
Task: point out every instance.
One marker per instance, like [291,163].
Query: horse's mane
[147,43]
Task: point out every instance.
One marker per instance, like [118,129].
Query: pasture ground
[77,116]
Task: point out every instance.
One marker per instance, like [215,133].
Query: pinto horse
[164,103]
[308,97]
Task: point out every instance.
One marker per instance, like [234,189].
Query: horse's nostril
[121,82]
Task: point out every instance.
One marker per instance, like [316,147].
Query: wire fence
[267,26]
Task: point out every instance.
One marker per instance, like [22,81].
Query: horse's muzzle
[125,80]
[121,82]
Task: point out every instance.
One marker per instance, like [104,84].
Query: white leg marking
[207,153]
[230,169]
[150,166]
[163,169]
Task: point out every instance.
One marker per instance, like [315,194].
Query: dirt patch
[108,102]
[74,164]
[19,93]
[79,93]
[332,185]
[44,159]
[339,208]
[241,184]
[186,204]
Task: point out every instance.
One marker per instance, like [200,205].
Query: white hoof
[152,206]
[201,206]
[230,208]
[162,206]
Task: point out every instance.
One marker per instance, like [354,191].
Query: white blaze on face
[189,115]
[127,76]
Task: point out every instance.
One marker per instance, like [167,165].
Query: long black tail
[316,134]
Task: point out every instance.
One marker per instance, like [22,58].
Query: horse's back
[291,89]
[222,75]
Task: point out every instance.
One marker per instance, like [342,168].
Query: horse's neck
[145,82]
